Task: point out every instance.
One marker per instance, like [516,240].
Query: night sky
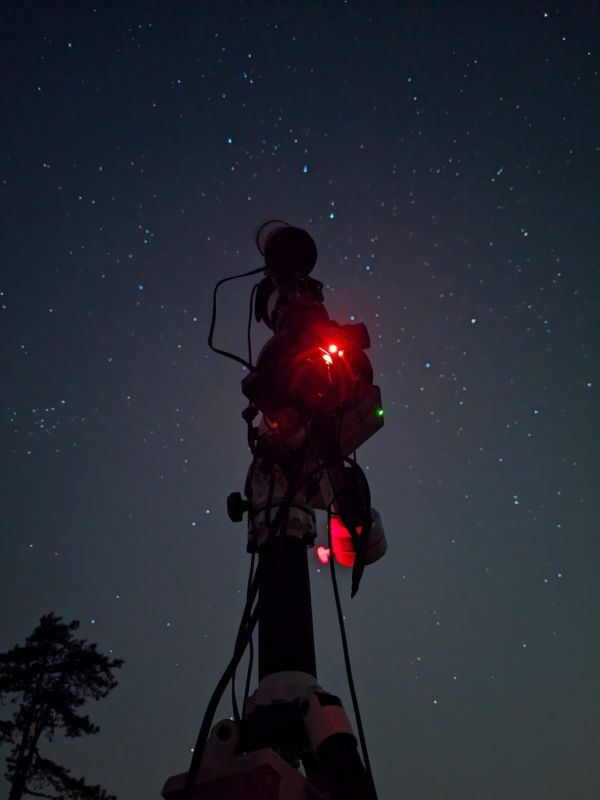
[444,156]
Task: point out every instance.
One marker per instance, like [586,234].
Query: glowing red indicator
[323,554]
[326,357]
[333,348]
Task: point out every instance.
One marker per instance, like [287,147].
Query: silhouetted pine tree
[48,678]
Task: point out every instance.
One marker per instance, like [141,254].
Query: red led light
[333,348]
[343,545]
[323,554]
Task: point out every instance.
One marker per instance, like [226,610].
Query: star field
[444,156]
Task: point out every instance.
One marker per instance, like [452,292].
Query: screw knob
[236,507]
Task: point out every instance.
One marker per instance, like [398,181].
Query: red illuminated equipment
[319,369]
[312,389]
[343,546]
[318,374]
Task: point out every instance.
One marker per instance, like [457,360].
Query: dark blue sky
[445,158]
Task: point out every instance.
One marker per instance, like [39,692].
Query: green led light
[379,412]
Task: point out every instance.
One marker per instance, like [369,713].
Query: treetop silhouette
[49,678]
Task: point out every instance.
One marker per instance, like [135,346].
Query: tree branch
[40,794]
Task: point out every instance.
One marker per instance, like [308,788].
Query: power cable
[236,711]
[214,701]
[249,327]
[248,622]
[213,320]
[342,627]
[250,648]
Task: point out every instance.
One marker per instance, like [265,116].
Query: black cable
[246,614]
[342,627]
[213,320]
[246,628]
[234,703]
[249,328]
[236,711]
[248,604]
[279,522]
[214,701]
[248,675]
[250,646]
